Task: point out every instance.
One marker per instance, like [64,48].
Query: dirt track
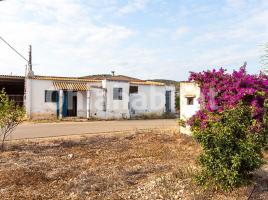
[39,130]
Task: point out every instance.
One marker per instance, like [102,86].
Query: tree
[231,127]
[11,116]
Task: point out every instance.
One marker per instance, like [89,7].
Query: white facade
[189,105]
[36,107]
[98,101]
[116,109]
[82,104]
[144,102]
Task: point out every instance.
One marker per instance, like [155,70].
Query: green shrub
[231,148]
[177,102]
[265,122]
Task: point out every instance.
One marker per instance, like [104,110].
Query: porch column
[88,104]
[60,104]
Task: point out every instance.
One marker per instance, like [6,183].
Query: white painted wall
[150,99]
[186,111]
[116,109]
[97,103]
[82,104]
[38,107]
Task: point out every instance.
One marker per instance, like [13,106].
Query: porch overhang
[74,86]
[189,96]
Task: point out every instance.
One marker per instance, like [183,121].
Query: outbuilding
[189,105]
[14,87]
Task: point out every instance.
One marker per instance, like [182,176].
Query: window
[51,96]
[190,100]
[133,89]
[118,93]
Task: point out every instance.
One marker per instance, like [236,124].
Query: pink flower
[229,90]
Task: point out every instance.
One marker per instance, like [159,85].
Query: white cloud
[133,6]
[233,43]
[64,37]
[180,32]
[236,3]
[74,38]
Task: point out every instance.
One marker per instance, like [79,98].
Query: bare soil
[152,164]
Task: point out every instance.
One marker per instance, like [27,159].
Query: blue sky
[142,38]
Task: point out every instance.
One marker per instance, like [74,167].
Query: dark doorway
[14,88]
[168,101]
[73,111]
[69,104]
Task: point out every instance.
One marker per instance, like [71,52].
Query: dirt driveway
[38,130]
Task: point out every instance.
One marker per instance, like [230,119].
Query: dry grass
[153,164]
[155,116]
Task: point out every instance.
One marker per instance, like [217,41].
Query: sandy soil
[152,164]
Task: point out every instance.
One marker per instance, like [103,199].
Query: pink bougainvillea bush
[231,126]
[221,90]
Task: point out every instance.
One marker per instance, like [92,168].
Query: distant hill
[168,82]
[110,77]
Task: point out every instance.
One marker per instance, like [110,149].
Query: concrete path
[39,130]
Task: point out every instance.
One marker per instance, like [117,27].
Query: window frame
[119,92]
[51,98]
[190,101]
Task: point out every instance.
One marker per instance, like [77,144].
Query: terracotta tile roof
[77,86]
[12,77]
[56,78]
[111,77]
[147,83]
[98,78]
[93,78]
[122,78]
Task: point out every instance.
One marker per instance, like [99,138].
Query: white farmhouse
[189,105]
[99,96]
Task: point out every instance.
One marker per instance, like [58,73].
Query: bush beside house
[231,127]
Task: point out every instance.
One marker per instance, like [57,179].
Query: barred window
[118,93]
[51,96]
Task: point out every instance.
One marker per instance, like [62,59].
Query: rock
[70,156]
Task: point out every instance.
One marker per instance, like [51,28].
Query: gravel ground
[152,164]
